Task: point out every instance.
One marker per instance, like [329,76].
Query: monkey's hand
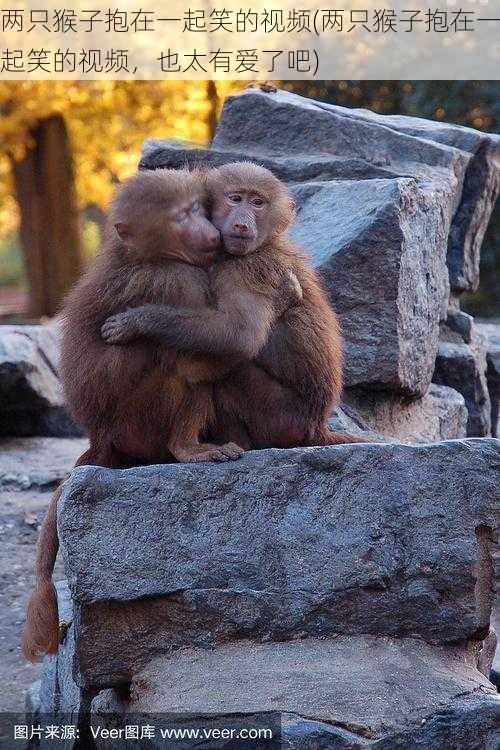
[289,293]
[121,328]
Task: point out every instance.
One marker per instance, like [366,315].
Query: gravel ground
[29,470]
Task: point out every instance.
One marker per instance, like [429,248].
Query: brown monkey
[145,403]
[284,396]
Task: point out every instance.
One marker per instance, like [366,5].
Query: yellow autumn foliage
[107,123]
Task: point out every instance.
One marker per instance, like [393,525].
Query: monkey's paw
[208,452]
[290,290]
[118,329]
[295,288]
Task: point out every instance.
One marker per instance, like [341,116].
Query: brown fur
[296,379]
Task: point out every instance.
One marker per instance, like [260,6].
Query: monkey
[291,378]
[141,401]
[147,403]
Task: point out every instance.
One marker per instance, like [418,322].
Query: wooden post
[50,226]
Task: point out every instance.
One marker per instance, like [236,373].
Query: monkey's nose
[241,228]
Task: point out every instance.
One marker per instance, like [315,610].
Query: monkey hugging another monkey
[175,349]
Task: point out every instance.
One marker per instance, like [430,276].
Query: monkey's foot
[207,452]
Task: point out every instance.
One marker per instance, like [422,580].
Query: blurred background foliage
[80,138]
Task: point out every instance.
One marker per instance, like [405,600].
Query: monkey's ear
[124,231]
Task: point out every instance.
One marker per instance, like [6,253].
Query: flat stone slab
[37,463]
[371,687]
[382,539]
[349,692]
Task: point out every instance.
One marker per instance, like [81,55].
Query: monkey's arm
[239,327]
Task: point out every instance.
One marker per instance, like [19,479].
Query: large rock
[480,189]
[378,246]
[368,539]
[31,397]
[350,692]
[491,333]
[283,123]
[280,122]
[440,414]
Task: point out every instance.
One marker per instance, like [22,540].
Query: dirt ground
[29,470]
[20,516]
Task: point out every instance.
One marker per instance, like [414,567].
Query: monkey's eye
[259,202]
[234,198]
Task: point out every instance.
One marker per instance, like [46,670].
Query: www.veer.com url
[198,733]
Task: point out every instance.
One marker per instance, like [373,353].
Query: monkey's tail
[41,631]
[325,436]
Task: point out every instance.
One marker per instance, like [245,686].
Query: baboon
[283,393]
[145,403]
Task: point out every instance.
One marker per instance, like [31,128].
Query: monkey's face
[249,206]
[188,235]
[242,216]
[171,229]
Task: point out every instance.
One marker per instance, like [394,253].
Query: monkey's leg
[227,424]
[193,416]
[272,414]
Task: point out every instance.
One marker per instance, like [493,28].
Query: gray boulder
[350,692]
[365,539]
[281,121]
[31,397]
[378,245]
[480,188]
[491,333]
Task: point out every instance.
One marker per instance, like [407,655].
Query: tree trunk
[213,112]
[50,226]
